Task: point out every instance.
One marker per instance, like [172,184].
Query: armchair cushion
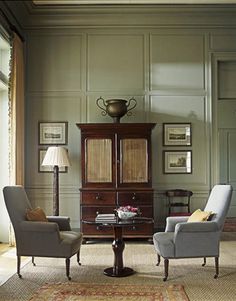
[36,214]
[199,216]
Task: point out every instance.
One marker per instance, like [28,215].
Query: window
[4,134]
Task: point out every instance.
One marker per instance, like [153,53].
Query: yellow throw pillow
[36,215]
[199,216]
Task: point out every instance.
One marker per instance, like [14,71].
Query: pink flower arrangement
[129,209]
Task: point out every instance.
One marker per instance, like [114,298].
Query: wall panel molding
[122,53]
[54,71]
[166,73]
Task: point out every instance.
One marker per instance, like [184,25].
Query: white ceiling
[77,2]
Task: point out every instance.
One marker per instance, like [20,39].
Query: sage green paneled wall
[166,70]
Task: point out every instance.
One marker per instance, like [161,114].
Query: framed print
[177,162]
[177,134]
[53,133]
[41,154]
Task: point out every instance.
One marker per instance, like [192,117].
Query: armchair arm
[171,222]
[197,227]
[39,226]
[62,221]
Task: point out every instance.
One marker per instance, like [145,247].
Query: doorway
[224,126]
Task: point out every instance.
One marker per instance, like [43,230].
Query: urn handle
[132,99]
[100,99]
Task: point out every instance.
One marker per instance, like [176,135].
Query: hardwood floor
[8,262]
[4,248]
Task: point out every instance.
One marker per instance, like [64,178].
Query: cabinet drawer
[96,230]
[100,198]
[90,212]
[142,229]
[146,211]
[135,198]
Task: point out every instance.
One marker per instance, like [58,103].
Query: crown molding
[79,2]
[32,16]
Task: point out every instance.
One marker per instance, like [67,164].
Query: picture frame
[53,133]
[177,162]
[49,169]
[177,134]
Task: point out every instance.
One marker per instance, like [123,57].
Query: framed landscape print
[177,134]
[41,155]
[53,133]
[177,162]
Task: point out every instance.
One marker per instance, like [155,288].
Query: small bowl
[126,214]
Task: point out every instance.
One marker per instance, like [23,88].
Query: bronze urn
[116,108]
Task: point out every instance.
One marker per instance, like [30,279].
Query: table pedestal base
[120,273]
[118,245]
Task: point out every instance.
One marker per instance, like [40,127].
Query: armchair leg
[217,267]
[166,265]
[158,259]
[68,268]
[78,257]
[204,261]
[18,266]
[33,261]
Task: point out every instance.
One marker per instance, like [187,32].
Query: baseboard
[230,224]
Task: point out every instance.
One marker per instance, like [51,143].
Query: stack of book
[105,218]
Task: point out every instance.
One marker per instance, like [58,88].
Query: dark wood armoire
[116,168]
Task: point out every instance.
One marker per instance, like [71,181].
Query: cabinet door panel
[133,160]
[98,160]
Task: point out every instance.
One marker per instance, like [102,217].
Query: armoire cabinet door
[133,160]
[98,160]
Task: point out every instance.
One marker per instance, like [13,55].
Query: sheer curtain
[16,117]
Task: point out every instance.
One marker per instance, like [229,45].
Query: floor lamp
[56,156]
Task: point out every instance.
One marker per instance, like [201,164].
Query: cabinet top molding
[116,126]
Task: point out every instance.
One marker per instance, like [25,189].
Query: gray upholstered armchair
[42,239]
[183,239]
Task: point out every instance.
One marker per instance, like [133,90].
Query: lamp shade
[56,156]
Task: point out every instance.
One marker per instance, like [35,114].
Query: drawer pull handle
[99,228]
[133,228]
[134,198]
[98,197]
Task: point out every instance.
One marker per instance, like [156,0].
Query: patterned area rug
[94,292]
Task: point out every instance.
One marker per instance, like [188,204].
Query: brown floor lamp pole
[55,190]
